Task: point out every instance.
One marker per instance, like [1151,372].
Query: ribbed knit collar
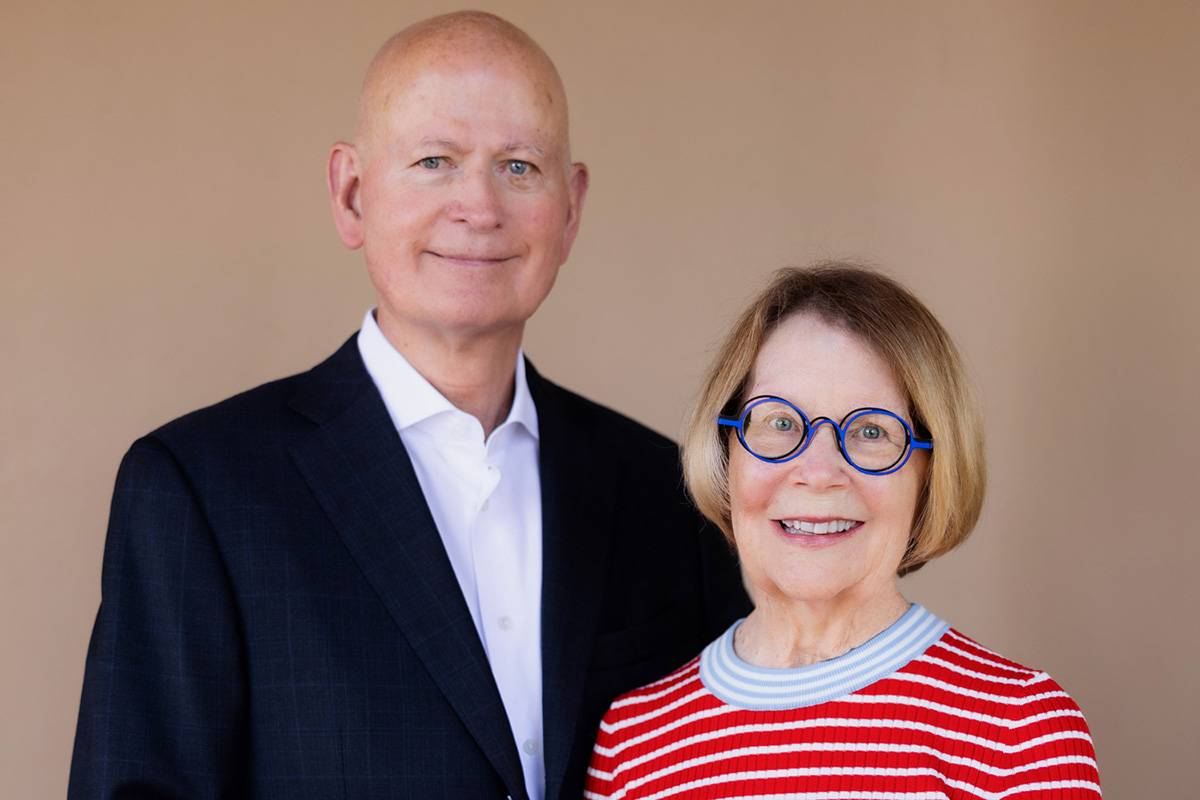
[744,685]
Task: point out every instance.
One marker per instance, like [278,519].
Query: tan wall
[1031,169]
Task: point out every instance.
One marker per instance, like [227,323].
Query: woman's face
[828,372]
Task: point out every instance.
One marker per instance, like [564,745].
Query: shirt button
[530,747]
[505,623]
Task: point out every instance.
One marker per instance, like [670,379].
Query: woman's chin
[806,586]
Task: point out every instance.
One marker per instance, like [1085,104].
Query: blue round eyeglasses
[874,441]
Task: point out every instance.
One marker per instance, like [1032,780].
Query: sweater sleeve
[1052,752]
[602,782]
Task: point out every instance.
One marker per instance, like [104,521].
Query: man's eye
[519,168]
[431,162]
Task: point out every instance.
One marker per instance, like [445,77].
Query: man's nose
[821,463]
[476,200]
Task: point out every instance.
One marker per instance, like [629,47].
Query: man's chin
[465,318]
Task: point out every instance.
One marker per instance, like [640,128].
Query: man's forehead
[449,98]
[459,81]
[455,64]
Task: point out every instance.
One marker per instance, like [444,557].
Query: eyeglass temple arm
[922,444]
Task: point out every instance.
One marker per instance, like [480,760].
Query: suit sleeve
[163,711]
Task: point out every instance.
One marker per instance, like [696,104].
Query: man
[419,569]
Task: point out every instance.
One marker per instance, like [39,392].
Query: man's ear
[344,189]
[577,186]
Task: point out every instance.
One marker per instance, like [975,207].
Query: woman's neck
[784,632]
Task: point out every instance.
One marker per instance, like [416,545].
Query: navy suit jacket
[279,619]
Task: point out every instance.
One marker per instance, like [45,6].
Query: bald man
[419,569]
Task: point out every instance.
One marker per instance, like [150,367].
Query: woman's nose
[821,462]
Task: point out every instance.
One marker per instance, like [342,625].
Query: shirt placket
[501,565]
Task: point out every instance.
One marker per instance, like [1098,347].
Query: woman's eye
[872,433]
[519,168]
[782,424]
[431,162]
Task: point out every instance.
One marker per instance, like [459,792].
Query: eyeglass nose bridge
[811,434]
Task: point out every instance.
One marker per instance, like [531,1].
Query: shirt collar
[523,410]
[411,399]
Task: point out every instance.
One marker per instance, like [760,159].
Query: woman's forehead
[810,361]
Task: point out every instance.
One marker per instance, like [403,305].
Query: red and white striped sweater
[917,713]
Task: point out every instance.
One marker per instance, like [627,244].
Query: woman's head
[831,339]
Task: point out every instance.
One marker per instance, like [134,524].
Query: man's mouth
[824,527]
[472,259]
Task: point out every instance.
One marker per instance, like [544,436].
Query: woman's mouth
[823,531]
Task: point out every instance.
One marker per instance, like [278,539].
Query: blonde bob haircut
[888,318]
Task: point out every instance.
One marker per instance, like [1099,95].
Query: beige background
[1030,169]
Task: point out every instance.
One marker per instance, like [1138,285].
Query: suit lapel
[577,510]
[357,467]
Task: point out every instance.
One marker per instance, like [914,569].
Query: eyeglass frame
[911,442]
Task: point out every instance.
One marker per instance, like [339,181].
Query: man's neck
[474,372]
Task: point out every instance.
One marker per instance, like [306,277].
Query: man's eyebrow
[515,146]
[443,144]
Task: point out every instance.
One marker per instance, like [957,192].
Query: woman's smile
[818,531]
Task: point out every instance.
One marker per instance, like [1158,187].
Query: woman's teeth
[817,528]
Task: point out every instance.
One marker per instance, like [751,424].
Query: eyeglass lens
[873,440]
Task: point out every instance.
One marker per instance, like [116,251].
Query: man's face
[468,202]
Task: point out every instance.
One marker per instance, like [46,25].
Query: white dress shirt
[486,499]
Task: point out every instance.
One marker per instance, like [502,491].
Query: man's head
[459,186]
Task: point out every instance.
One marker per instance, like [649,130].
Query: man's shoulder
[604,425]
[270,410]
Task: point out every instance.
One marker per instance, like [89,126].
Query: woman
[837,446]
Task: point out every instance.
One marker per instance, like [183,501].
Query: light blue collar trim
[744,685]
